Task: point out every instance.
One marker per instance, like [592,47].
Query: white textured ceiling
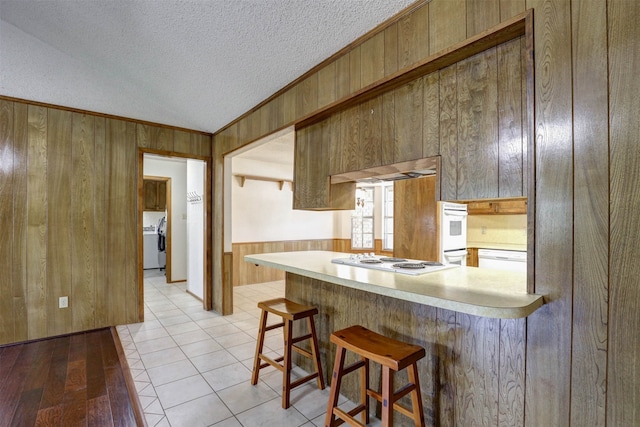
[193,64]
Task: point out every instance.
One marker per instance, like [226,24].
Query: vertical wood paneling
[6,211]
[83,194]
[117,215]
[510,8]
[143,136]
[37,201]
[446,32]
[100,224]
[510,129]
[391,49]
[413,37]
[369,152]
[372,59]
[343,76]
[476,373]
[482,15]
[327,85]
[355,66]
[349,140]
[623,379]
[408,121]
[162,138]
[591,209]
[478,127]
[449,133]
[388,130]
[130,228]
[511,371]
[181,141]
[448,355]
[19,223]
[289,100]
[549,329]
[307,96]
[431,115]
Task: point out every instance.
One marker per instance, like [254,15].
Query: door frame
[207,300]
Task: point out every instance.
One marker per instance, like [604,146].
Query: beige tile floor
[193,368]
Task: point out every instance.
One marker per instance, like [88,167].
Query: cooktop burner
[384,259]
[410,265]
[391,264]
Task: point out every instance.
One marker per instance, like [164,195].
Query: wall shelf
[244,178]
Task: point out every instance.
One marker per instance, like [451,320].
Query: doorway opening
[173,235]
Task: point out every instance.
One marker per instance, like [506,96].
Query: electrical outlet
[484,229]
[63,302]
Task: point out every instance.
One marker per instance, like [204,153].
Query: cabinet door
[414,219]
[312,188]
[162,195]
[150,195]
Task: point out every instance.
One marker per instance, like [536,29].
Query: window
[387,217]
[362,219]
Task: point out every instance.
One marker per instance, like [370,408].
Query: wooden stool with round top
[393,356]
[289,311]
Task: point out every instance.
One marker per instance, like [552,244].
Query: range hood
[393,172]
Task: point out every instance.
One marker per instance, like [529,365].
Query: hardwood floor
[74,380]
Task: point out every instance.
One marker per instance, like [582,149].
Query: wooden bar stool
[393,356]
[289,311]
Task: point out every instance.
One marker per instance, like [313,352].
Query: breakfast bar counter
[480,292]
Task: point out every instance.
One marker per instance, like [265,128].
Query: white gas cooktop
[395,265]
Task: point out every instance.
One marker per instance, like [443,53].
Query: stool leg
[315,352]
[416,398]
[364,386]
[387,396]
[259,345]
[336,380]
[286,379]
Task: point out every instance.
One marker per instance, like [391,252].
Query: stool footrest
[274,326]
[300,338]
[356,365]
[344,416]
[272,362]
[302,351]
[303,380]
[396,396]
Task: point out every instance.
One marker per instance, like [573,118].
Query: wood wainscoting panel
[244,273]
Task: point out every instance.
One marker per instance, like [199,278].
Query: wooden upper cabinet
[312,189]
[155,195]
[498,206]
[414,218]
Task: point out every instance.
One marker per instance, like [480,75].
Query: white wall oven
[452,220]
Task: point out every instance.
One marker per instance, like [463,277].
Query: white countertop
[481,292]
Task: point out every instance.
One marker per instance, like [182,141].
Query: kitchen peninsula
[472,323]
[480,292]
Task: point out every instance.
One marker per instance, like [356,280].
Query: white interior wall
[176,169]
[195,227]
[262,212]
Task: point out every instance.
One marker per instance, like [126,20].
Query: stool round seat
[392,355]
[289,311]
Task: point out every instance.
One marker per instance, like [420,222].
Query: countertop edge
[513,312]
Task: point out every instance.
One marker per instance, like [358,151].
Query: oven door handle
[455,213]
[456,253]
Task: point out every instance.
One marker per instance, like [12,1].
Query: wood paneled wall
[580,362]
[245,273]
[68,203]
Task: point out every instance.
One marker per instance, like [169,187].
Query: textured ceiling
[193,64]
